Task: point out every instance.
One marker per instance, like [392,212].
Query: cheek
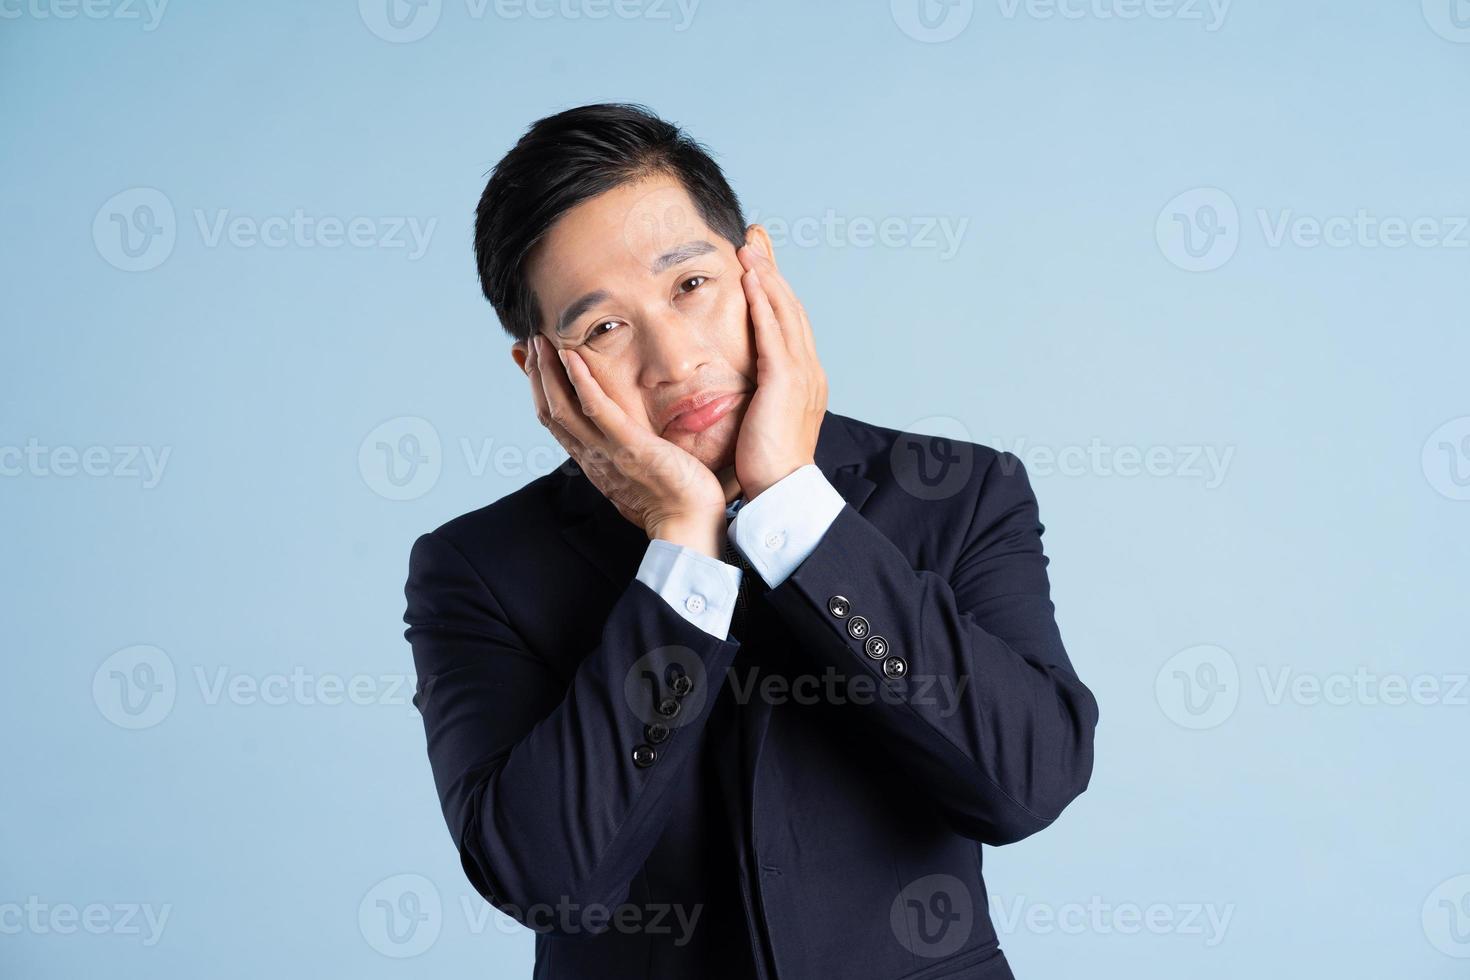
[735,340]
[618,383]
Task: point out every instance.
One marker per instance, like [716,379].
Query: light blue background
[1334,540]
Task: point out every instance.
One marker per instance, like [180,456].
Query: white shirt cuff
[778,529]
[699,588]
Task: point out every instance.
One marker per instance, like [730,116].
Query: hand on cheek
[779,432]
[652,482]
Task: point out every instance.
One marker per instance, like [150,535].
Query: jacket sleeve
[982,706]
[535,770]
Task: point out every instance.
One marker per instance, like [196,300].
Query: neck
[729,483]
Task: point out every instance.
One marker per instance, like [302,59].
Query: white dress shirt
[775,532]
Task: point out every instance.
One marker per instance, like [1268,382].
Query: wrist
[760,486]
[704,535]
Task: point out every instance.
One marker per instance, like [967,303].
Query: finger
[607,415]
[561,400]
[637,453]
[793,316]
[533,374]
[538,398]
[538,392]
[770,345]
[789,314]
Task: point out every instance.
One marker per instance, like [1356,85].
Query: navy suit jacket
[783,803]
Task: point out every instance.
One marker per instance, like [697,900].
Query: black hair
[567,158]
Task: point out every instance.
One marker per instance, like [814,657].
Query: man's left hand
[779,432]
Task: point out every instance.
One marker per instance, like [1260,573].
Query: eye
[598,331]
[699,280]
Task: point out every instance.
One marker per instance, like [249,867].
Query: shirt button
[667,707]
[695,603]
[682,685]
[775,539]
[656,733]
[643,756]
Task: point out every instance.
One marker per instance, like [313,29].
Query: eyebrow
[671,258]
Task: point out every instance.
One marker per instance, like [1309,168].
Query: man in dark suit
[741,688]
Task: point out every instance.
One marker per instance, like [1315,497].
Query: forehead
[613,238]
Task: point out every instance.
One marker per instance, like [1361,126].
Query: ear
[519,353]
[757,238]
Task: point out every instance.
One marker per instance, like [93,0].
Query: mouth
[699,412]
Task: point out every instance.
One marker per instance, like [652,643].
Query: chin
[715,446]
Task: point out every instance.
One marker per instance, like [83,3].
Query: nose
[674,349]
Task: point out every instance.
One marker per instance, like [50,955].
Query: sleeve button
[876,647]
[643,756]
[682,685]
[839,606]
[857,626]
[657,733]
[895,667]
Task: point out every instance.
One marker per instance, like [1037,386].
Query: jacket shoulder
[883,448]
[525,511]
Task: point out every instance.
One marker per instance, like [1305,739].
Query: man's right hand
[652,482]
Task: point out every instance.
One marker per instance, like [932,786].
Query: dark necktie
[742,598]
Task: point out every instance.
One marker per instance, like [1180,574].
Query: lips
[698,412]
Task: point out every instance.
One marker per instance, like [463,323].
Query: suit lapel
[592,526]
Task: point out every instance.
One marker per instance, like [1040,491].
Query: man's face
[652,300]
